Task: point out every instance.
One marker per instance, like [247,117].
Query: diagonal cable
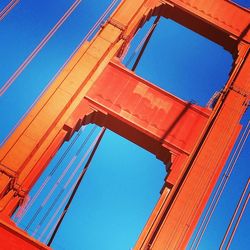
[69,165]
[220,188]
[66,185]
[49,176]
[26,62]
[57,225]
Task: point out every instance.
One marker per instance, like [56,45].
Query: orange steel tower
[95,87]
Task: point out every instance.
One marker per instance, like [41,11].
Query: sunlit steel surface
[94,87]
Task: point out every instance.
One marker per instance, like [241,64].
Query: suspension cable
[213,207]
[139,46]
[238,221]
[7,9]
[64,187]
[142,45]
[146,42]
[199,183]
[220,188]
[234,215]
[89,34]
[99,22]
[48,177]
[96,144]
[56,212]
[44,41]
[46,199]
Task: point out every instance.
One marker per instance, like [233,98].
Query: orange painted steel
[94,87]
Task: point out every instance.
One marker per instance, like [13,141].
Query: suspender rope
[97,142]
[64,188]
[47,179]
[89,34]
[219,190]
[14,76]
[99,21]
[7,9]
[56,213]
[138,48]
[238,221]
[234,215]
[69,165]
[146,42]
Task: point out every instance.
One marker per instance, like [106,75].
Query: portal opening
[113,202]
[181,61]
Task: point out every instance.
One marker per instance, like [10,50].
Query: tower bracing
[193,142]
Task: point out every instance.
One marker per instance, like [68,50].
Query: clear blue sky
[122,185]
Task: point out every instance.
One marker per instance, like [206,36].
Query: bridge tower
[95,87]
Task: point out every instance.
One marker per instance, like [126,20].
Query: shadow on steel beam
[176,121]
